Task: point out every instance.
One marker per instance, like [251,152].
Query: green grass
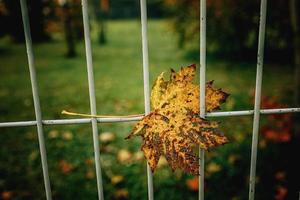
[119,91]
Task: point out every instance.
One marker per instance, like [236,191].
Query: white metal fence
[39,122]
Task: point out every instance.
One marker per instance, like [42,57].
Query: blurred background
[173,26]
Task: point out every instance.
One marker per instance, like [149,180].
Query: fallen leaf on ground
[6,195]
[213,168]
[116,179]
[67,135]
[121,194]
[89,161]
[65,167]
[280,175]
[107,137]
[138,156]
[90,174]
[193,183]
[281,193]
[53,134]
[124,156]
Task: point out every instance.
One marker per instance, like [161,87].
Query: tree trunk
[295,28]
[36,17]
[69,31]
[101,9]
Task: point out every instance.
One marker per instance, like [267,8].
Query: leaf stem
[99,116]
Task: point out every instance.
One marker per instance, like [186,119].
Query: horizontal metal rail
[128,119]
[251,112]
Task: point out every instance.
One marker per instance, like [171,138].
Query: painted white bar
[89,61]
[67,121]
[36,99]
[143,5]
[17,124]
[279,110]
[251,112]
[260,59]
[202,89]
[230,113]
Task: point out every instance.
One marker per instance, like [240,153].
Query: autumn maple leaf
[174,126]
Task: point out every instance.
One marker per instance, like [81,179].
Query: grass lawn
[119,91]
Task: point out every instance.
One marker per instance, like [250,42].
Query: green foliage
[11,20]
[232,27]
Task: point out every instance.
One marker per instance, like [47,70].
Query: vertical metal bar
[260,58]
[89,62]
[202,88]
[146,82]
[36,100]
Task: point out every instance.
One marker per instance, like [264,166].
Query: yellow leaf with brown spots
[174,126]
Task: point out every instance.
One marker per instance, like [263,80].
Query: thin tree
[13,21]
[295,28]
[101,11]
[69,32]
[68,25]
[104,15]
